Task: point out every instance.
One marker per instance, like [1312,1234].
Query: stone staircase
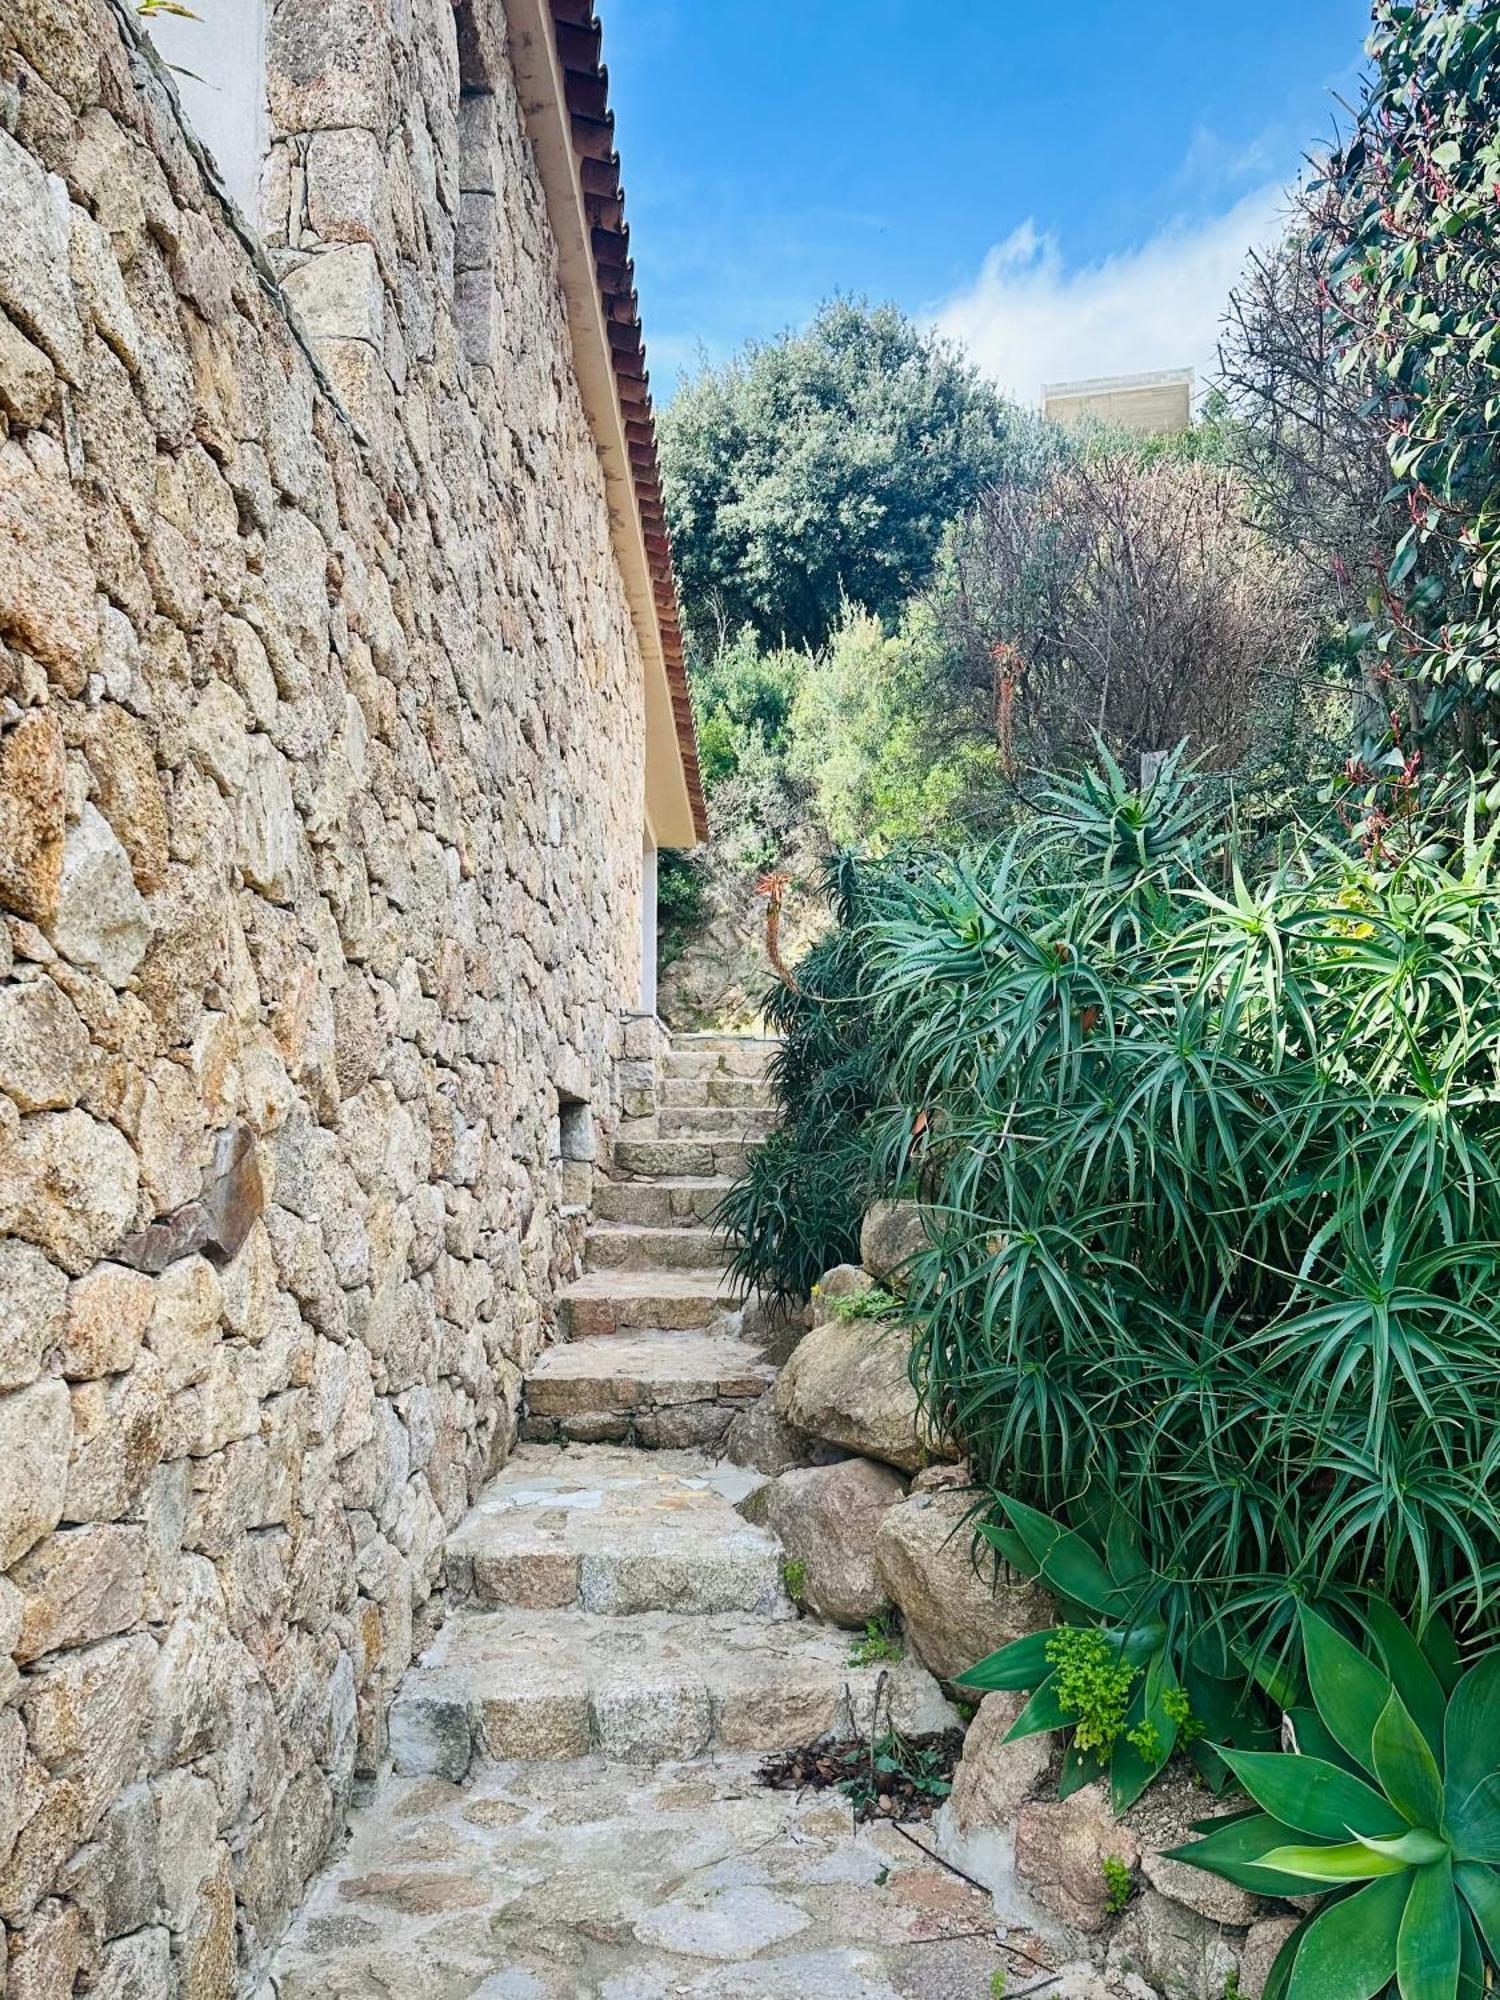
[654,1354]
[614,1620]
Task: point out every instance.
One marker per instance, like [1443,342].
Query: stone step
[660,1301]
[650,1159]
[660,1204]
[749,1091]
[742,1048]
[656,1390]
[627,1246]
[640,1690]
[712,1121]
[606,1529]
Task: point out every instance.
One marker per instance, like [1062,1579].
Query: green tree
[825,466]
[865,740]
[1413,251]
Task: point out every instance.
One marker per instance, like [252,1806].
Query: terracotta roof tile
[579,51]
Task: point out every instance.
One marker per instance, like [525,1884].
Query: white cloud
[1029,318]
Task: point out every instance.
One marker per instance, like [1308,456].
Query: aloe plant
[1388,1810]
[1123,1671]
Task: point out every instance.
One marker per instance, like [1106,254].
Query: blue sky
[1067,190]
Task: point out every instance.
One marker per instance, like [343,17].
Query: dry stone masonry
[319,876]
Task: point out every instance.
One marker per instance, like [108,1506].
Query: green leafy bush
[797,1209]
[1212,1182]
[1414,258]
[1390,1809]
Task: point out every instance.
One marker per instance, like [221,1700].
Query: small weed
[794,1580]
[1093,1684]
[873,1304]
[964,1711]
[998,1984]
[920,1769]
[1231,1985]
[881,1642]
[1117,1883]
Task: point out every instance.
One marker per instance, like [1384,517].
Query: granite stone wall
[321,729]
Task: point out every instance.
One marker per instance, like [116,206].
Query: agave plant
[1389,1810]
[1122,1672]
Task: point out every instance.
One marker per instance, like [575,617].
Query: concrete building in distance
[1156,404]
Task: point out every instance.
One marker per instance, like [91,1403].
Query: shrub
[1212,1178]
[1413,255]
[797,1209]
[1390,1809]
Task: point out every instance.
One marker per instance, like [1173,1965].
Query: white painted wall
[648,924]
[220,64]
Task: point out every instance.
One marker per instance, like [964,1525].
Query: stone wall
[320,739]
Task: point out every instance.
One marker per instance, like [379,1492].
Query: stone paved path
[575,1814]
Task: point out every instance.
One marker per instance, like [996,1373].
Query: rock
[45,1058]
[101,922]
[270,839]
[47,595]
[826,1517]
[108,1311]
[80,1584]
[35,1299]
[1258,1954]
[847,1383]
[32,774]
[187,1819]
[14,1802]
[36,1432]
[994,1779]
[184,1328]
[119,1426]
[135,1968]
[1061,1848]
[955,1615]
[892,1233]
[129,1864]
[47,1957]
[208,1950]
[338,295]
[1182,1955]
[844,1281]
[36,285]
[432,1735]
[759,1439]
[128,791]
[217,1222]
[28,381]
[218,734]
[67,1184]
[1208,1896]
[86,1715]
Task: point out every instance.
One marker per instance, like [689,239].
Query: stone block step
[748,1091]
[712,1121]
[657,1390]
[660,1204]
[641,1690]
[736,1052]
[661,1301]
[628,1246]
[606,1529]
[646,1159]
